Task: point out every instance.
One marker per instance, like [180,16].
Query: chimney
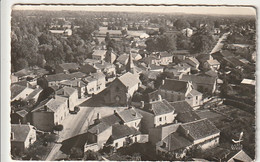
[27,84]
[97,131]
[163,82]
[98,116]
[115,112]
[159,98]
[78,83]
[142,104]
[187,132]
[45,108]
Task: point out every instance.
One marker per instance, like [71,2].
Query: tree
[50,138]
[181,24]
[124,32]
[91,155]
[76,153]
[201,42]
[58,127]
[162,30]
[36,151]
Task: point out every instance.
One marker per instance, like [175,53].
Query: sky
[223,10]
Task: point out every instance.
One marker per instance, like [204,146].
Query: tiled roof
[94,77]
[99,128]
[200,129]
[104,65]
[73,83]
[176,141]
[240,156]
[76,75]
[57,77]
[68,66]
[120,131]
[22,113]
[34,93]
[152,74]
[123,59]
[213,62]
[23,72]
[199,79]
[175,85]
[99,52]
[194,92]
[194,60]
[111,120]
[66,91]
[129,79]
[129,115]
[52,105]
[20,131]
[211,73]
[181,106]
[165,54]
[186,117]
[159,107]
[16,89]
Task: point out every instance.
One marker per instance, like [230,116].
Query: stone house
[71,94]
[95,83]
[22,136]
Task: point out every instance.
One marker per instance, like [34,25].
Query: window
[116,144]
[197,97]
[135,139]
[160,119]
[165,118]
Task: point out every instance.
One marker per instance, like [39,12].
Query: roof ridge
[195,121]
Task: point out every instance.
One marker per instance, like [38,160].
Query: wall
[147,120]
[43,121]
[23,94]
[165,119]
[116,90]
[94,147]
[73,100]
[135,124]
[31,138]
[171,96]
[103,137]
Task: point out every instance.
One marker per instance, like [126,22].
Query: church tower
[130,67]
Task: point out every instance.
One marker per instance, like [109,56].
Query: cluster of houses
[168,120]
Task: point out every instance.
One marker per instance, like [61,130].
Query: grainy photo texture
[130,83]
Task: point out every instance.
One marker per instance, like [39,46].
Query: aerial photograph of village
[133,83]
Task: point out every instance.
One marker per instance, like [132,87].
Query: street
[72,126]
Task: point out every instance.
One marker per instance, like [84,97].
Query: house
[248,82]
[151,60]
[14,78]
[117,130]
[123,59]
[123,135]
[107,68]
[67,68]
[35,94]
[77,84]
[99,54]
[165,57]
[178,90]
[71,94]
[50,112]
[238,156]
[180,55]
[20,116]
[20,91]
[95,83]
[187,32]
[22,136]
[202,83]
[121,89]
[110,56]
[202,133]
[197,134]
[185,113]
[176,71]
[192,62]
[212,65]
[156,113]
[56,79]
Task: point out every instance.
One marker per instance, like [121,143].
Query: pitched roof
[68,66]
[200,129]
[211,73]
[176,141]
[51,104]
[151,74]
[187,117]
[66,91]
[20,131]
[16,89]
[129,79]
[76,75]
[111,120]
[22,113]
[73,83]
[99,52]
[240,156]
[159,107]
[129,115]
[181,106]
[213,62]
[248,81]
[98,128]
[94,77]
[34,93]
[194,92]
[123,59]
[175,85]
[23,72]
[165,54]
[120,131]
[57,77]
[194,60]
[199,79]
